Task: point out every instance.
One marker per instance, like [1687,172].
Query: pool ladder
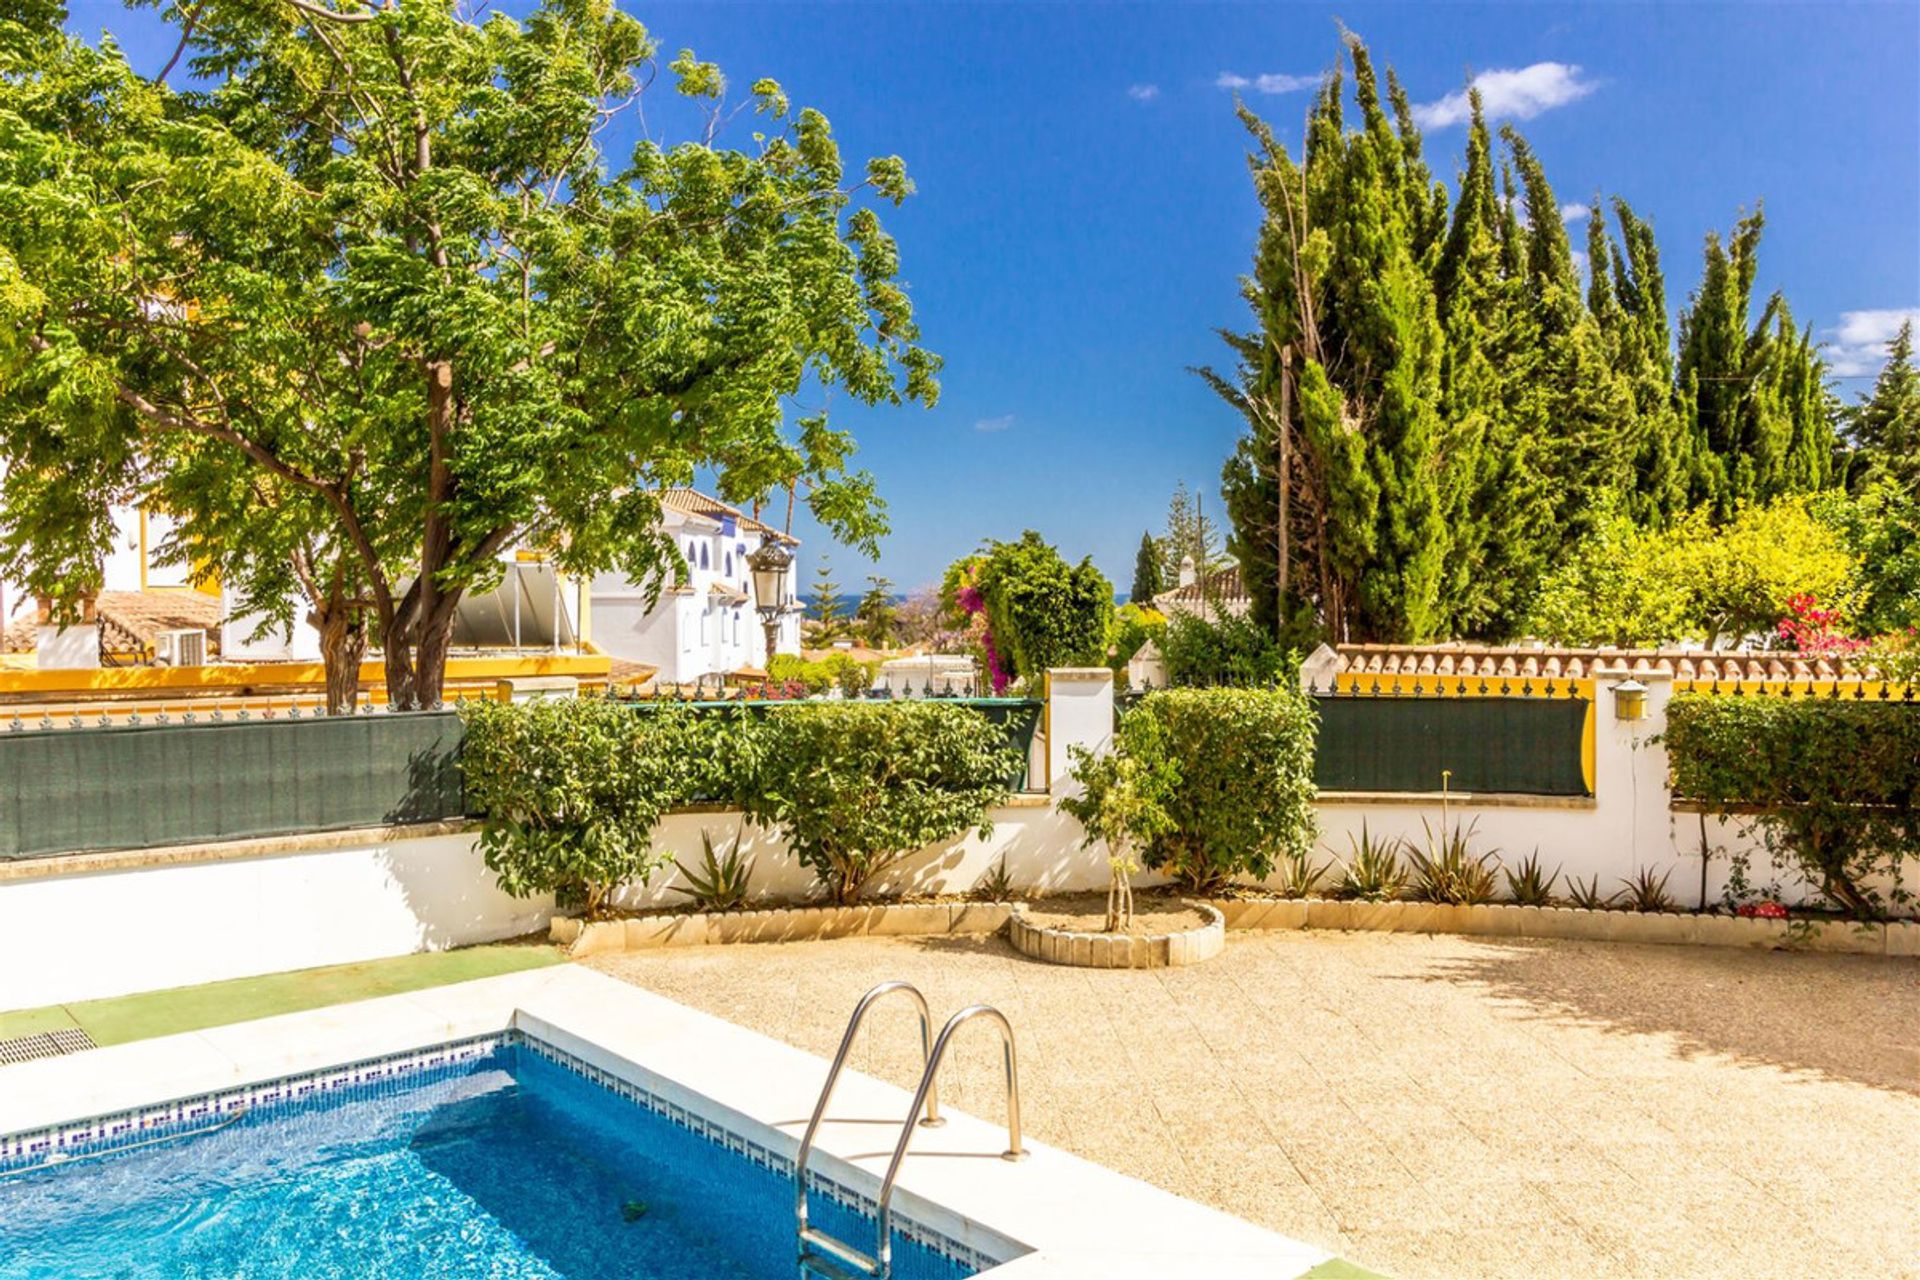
[822,1254]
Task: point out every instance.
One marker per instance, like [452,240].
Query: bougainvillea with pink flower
[1813,628]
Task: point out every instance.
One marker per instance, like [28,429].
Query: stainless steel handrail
[929,1097]
[883,1246]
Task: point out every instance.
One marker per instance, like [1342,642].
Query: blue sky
[1084,213]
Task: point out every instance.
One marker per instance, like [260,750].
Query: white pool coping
[1079,1219]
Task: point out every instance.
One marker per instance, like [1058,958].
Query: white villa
[709,624]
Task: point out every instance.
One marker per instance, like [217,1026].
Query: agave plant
[1586,893]
[720,884]
[1529,885]
[997,884]
[1644,892]
[1448,871]
[1374,872]
[1297,875]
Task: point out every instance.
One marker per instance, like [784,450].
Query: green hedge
[1245,790]
[569,790]
[1833,785]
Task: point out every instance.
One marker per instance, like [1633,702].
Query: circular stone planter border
[1120,950]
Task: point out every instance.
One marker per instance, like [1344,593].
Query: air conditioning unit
[185,648]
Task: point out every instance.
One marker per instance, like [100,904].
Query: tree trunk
[343,645]
[430,654]
[397,656]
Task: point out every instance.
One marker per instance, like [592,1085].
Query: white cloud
[1267,82]
[1143,92]
[1857,346]
[1513,94]
[1000,423]
[1581,264]
[1574,212]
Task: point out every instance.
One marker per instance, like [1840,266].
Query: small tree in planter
[569,789]
[855,787]
[1123,804]
[1245,789]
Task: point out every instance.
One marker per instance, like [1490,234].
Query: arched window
[704,563]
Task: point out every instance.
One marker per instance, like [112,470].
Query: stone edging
[781,924]
[1505,920]
[1088,950]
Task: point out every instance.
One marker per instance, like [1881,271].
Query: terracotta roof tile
[693,502]
[1220,586]
[1538,663]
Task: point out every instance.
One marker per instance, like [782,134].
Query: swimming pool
[502,1157]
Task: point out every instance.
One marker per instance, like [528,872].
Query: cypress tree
[1146,572]
[1753,391]
[1446,408]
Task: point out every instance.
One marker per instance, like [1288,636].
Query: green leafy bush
[1231,651]
[569,789]
[1833,785]
[854,787]
[1041,611]
[1245,790]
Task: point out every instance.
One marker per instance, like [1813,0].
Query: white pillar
[1631,800]
[1079,714]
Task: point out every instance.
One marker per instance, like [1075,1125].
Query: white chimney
[1188,574]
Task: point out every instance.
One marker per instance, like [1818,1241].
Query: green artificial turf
[161,1013]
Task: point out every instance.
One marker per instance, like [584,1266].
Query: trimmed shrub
[1245,790]
[1231,651]
[1832,785]
[854,787]
[569,789]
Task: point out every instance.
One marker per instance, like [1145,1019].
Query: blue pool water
[513,1167]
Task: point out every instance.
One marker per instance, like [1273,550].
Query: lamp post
[772,566]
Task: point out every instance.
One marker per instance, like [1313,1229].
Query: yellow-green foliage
[1626,585]
[836,670]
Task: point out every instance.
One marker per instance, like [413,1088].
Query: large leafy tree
[369,304]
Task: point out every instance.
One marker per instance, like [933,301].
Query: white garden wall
[143,922]
[110,924]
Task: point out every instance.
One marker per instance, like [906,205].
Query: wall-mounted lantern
[1629,700]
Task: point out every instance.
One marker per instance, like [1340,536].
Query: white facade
[709,624]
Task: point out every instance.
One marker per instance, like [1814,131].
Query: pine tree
[826,602]
[1146,572]
[1885,426]
[877,613]
[1190,532]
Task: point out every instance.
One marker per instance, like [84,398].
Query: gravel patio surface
[1428,1105]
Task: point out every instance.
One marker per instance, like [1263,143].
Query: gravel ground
[1429,1106]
